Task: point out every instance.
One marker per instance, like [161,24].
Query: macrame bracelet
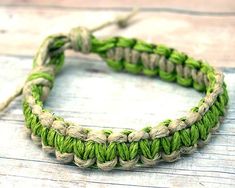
[125,149]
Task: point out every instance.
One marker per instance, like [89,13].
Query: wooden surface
[88,92]
[202,35]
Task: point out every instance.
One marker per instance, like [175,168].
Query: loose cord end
[6,102]
[123,21]
[120,21]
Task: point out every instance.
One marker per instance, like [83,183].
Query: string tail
[123,21]
[5,103]
[120,21]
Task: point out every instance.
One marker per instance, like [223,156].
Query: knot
[96,136]
[137,136]
[122,22]
[80,38]
[64,157]
[117,137]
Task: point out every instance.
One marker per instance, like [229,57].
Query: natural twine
[107,149]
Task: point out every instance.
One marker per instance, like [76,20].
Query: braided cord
[126,149]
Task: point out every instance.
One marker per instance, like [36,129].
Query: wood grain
[86,91]
[199,6]
[206,37]
[112,100]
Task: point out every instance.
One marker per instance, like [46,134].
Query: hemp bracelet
[126,149]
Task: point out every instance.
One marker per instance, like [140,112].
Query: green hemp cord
[126,149]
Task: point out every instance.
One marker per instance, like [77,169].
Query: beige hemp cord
[121,23]
[126,149]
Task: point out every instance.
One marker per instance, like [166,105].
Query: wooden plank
[121,100]
[205,37]
[166,5]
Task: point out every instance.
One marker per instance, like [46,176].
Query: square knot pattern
[106,148]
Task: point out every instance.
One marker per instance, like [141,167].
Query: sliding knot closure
[80,39]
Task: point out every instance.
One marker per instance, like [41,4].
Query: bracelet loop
[107,149]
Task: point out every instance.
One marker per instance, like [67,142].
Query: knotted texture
[80,39]
[107,149]
[127,148]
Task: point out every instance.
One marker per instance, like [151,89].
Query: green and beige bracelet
[125,149]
